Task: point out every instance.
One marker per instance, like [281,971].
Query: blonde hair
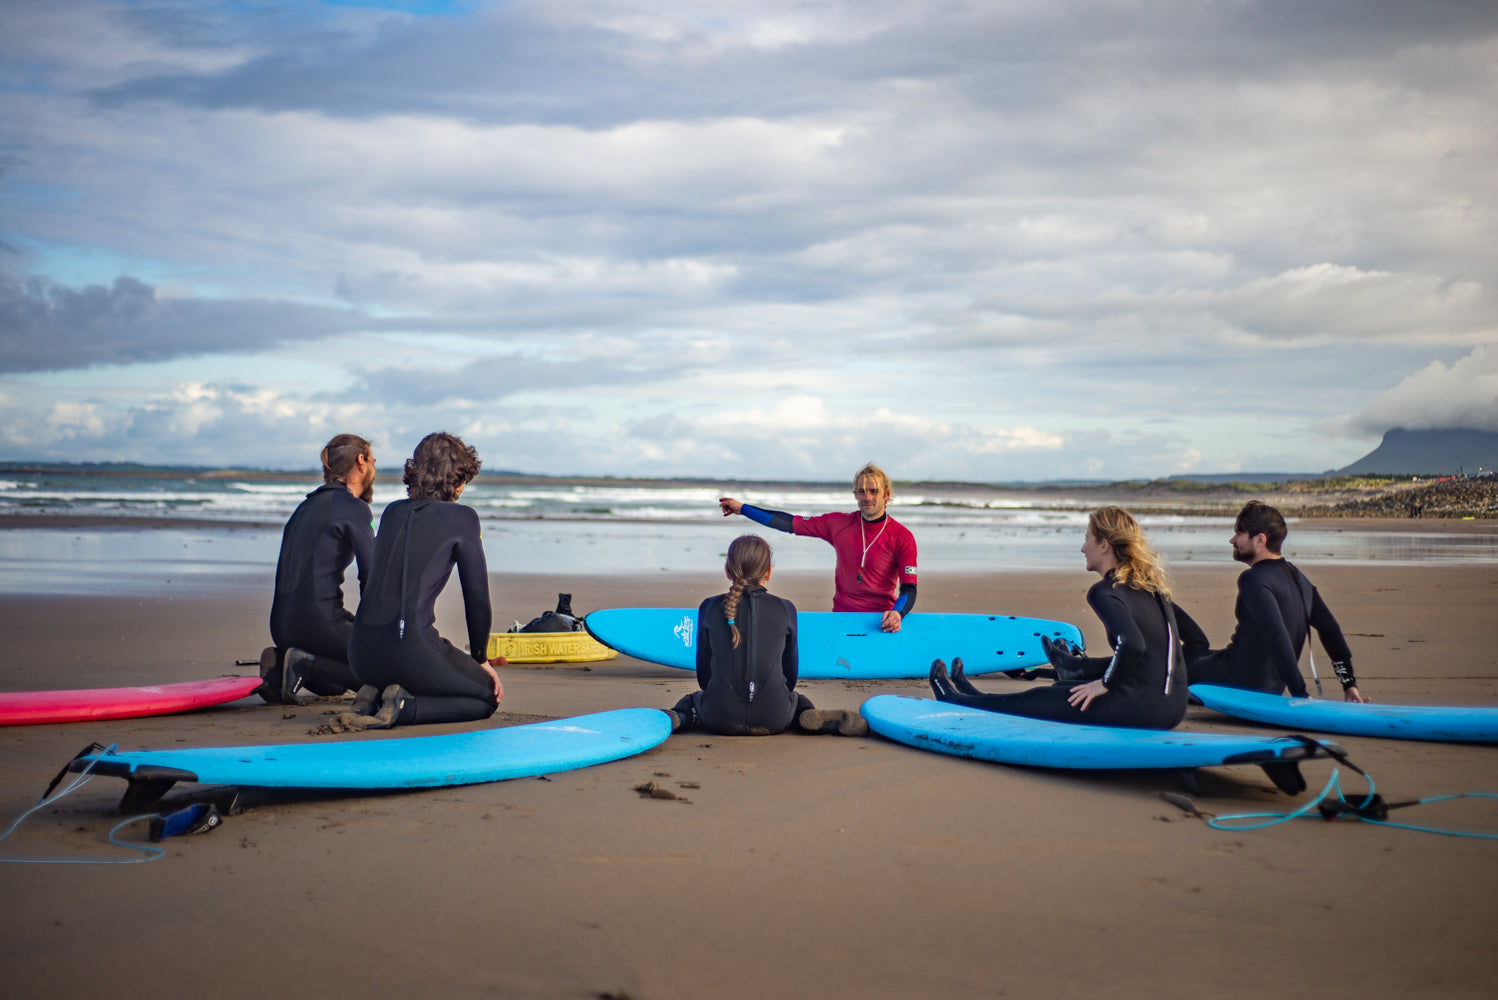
[872,471]
[749,559]
[1137,564]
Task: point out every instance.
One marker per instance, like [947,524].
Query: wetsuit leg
[456,690]
[1210,668]
[327,676]
[327,641]
[447,708]
[445,683]
[1052,703]
[1214,668]
[1037,703]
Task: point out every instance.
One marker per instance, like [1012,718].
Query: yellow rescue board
[548,647]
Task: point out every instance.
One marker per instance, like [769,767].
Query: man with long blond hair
[876,555]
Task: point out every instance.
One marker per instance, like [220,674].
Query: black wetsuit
[1276,605]
[395,638]
[330,529]
[1143,690]
[751,690]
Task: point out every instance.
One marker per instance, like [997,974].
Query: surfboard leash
[1367,808]
[197,818]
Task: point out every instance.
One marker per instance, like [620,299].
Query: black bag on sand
[560,620]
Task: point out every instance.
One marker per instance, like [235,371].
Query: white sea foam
[603,528]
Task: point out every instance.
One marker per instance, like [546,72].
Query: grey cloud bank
[995,242]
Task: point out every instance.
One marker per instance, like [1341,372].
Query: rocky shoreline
[1470,498]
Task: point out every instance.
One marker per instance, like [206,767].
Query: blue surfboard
[847,644]
[1405,722]
[1013,739]
[413,762]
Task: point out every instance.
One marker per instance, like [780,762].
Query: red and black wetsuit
[876,560]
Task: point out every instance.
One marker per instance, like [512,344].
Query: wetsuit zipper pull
[749,655]
[405,566]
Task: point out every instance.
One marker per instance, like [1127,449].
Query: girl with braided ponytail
[1142,684]
[747,660]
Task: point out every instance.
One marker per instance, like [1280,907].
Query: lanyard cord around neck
[867,544]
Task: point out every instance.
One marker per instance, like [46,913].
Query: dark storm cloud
[46,326]
[497,69]
[515,65]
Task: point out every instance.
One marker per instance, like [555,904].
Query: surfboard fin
[144,784]
[1286,776]
[142,793]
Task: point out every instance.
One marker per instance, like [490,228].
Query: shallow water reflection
[120,561]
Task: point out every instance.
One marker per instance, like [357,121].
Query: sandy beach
[789,866]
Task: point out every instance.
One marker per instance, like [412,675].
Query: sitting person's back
[410,673]
[747,659]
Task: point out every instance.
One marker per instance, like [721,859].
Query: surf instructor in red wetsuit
[876,567]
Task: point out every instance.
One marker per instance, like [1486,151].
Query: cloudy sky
[991,241]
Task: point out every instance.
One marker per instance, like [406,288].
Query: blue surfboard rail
[1012,739]
[848,644]
[1444,723]
[409,762]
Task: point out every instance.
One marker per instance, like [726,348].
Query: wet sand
[790,866]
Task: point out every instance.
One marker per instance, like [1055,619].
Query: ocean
[220,531]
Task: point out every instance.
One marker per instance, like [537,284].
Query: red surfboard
[24,708]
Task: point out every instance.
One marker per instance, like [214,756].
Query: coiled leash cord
[1367,808]
[198,818]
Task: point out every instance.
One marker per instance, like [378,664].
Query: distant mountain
[1428,453]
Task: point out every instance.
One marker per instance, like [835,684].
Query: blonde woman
[747,660]
[1142,685]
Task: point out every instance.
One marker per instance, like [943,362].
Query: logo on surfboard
[683,630]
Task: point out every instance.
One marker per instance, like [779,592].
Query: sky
[981,241]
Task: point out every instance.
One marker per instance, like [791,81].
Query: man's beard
[1241,556]
[368,495]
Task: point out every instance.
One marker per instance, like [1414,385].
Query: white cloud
[1464,395]
[73,419]
[987,241]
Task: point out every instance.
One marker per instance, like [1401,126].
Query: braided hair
[749,560]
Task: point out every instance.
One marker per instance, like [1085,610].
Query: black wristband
[1343,670]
